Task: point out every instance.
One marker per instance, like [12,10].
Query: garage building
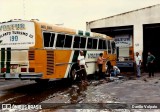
[134,31]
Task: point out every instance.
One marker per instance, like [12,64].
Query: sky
[69,13]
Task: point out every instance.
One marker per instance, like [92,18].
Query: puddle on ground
[77,93]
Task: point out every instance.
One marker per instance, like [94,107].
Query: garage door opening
[123,36]
[151,35]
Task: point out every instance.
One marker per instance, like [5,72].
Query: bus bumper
[20,76]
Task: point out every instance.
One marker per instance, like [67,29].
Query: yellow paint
[54,28]
[105,55]
[60,56]
[40,63]
[112,58]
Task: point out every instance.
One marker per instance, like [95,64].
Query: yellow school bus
[40,51]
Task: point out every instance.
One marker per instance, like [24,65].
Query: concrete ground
[127,90]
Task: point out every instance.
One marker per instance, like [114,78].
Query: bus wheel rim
[74,75]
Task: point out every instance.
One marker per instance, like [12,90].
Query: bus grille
[31,55]
[50,62]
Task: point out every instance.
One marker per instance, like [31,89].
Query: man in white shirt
[138,64]
[82,63]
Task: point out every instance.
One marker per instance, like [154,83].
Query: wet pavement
[60,94]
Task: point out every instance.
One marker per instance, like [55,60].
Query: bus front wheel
[73,74]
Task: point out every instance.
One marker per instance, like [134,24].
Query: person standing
[82,64]
[100,62]
[150,64]
[138,64]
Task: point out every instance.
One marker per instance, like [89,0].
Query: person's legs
[108,71]
[112,73]
[138,71]
[149,69]
[100,71]
[79,73]
[117,72]
[152,69]
[84,77]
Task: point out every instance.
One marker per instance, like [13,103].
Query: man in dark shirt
[150,64]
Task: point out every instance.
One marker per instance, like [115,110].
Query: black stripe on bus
[2,58]
[8,60]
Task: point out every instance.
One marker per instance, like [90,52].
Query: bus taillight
[31,70]
[3,70]
[23,69]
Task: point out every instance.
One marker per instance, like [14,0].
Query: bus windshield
[17,35]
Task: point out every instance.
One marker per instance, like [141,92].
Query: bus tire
[73,74]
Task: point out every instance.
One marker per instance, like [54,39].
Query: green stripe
[75,56]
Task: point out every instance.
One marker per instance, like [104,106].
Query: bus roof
[61,29]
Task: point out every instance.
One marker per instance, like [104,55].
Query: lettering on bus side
[49,28]
[12,27]
[17,33]
[43,27]
[5,34]
[93,55]
[46,27]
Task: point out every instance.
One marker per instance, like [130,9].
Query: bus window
[89,44]
[109,47]
[52,40]
[83,42]
[46,38]
[68,41]
[113,47]
[76,42]
[94,43]
[60,40]
[100,45]
[104,45]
